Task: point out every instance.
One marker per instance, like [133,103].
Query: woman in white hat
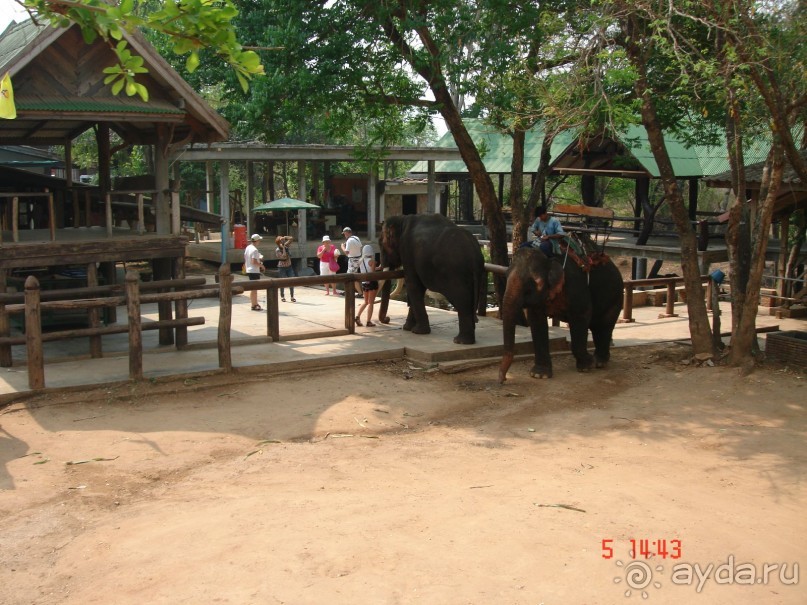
[253,264]
[326,254]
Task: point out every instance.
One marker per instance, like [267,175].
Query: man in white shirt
[352,249]
[253,265]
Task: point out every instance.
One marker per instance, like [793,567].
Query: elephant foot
[421,330]
[585,364]
[384,320]
[507,360]
[600,364]
[407,326]
[461,339]
[540,372]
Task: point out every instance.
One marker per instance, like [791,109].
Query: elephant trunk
[382,310]
[510,307]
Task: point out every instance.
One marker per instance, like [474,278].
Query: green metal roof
[95,106]
[694,161]
[496,149]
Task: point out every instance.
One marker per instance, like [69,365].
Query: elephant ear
[390,242]
[557,279]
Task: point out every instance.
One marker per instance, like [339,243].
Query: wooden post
[110,277]
[87,209]
[225,317]
[135,333]
[176,224]
[5,325]
[15,219]
[93,313]
[33,334]
[108,212]
[272,313]
[76,211]
[162,270]
[627,305]
[141,216]
[669,310]
[181,304]
[350,304]
[51,216]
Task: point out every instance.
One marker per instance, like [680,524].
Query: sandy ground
[388,483]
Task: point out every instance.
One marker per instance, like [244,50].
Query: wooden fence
[133,294]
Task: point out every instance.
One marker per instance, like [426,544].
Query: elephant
[435,255]
[587,298]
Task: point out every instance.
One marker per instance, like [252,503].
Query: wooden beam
[583,210]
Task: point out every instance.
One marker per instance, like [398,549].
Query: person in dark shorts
[253,266]
[369,288]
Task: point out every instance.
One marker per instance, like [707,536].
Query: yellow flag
[7,108]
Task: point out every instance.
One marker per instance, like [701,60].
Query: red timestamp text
[645,548]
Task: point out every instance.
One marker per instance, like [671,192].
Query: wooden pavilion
[60,93]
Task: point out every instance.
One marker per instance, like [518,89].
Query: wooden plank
[583,210]
[33,335]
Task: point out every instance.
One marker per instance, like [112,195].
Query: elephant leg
[417,321]
[540,343]
[579,333]
[467,321]
[602,331]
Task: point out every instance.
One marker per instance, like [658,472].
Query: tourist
[285,267]
[253,267]
[327,262]
[369,288]
[353,250]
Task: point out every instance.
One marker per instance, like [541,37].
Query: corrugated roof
[694,161]
[753,176]
[496,149]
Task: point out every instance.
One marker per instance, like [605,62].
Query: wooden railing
[134,294]
[669,283]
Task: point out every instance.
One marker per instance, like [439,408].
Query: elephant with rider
[586,291]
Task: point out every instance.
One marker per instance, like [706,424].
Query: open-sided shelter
[59,93]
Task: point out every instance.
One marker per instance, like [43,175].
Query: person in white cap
[253,265]
[369,288]
[352,249]
[327,262]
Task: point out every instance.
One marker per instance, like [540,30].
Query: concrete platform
[68,365]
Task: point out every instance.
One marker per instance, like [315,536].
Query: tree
[748,58]
[191,25]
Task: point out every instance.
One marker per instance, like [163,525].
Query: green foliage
[191,24]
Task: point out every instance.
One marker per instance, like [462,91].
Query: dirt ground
[389,483]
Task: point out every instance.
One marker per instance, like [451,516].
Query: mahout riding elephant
[587,293]
[435,255]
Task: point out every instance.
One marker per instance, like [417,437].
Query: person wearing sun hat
[285,267]
[326,254]
[253,265]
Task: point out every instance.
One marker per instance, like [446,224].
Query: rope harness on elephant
[578,243]
[584,252]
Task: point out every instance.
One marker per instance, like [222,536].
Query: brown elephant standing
[435,255]
[560,288]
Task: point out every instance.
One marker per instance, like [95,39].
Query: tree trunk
[744,336]
[798,219]
[699,328]
[520,212]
